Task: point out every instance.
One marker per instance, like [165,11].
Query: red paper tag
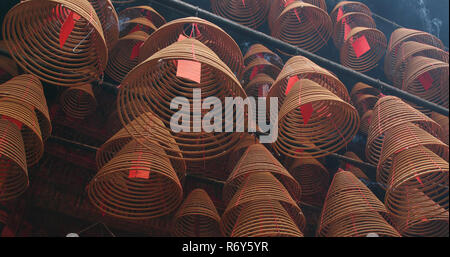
[347,30]
[135,51]
[291,82]
[348,166]
[361,46]
[426,80]
[14,121]
[307,110]
[243,2]
[139,171]
[136,28]
[181,37]
[298,16]
[418,179]
[255,71]
[189,70]
[67,28]
[340,14]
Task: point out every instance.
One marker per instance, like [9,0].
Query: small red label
[14,121]
[291,83]
[255,71]
[135,51]
[189,70]
[340,14]
[361,46]
[307,110]
[67,27]
[426,80]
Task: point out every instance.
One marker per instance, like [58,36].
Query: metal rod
[285,47]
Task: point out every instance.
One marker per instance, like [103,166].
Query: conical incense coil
[28,89]
[353,169]
[303,25]
[265,219]
[348,21]
[313,178]
[401,138]
[254,160]
[351,209]
[428,79]
[259,86]
[258,50]
[140,94]
[409,50]
[443,122]
[365,103]
[259,65]
[261,187]
[303,68]
[204,31]
[345,7]
[233,157]
[362,88]
[398,37]
[313,122]
[109,20]
[111,147]
[26,119]
[251,13]
[417,196]
[137,24]
[359,57]
[197,217]
[278,6]
[124,57]
[78,102]
[366,119]
[136,185]
[79,61]
[13,164]
[389,112]
[143,11]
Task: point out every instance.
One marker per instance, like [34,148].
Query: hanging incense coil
[259,65]
[365,103]
[353,169]
[428,79]
[51,63]
[313,178]
[417,197]
[278,6]
[13,164]
[250,13]
[400,36]
[265,219]
[124,57]
[389,112]
[31,133]
[27,89]
[109,20]
[303,68]
[78,102]
[343,26]
[409,50]
[233,157]
[351,209]
[303,25]
[254,160]
[197,217]
[204,31]
[258,50]
[259,86]
[345,7]
[260,187]
[443,122]
[136,184]
[111,147]
[366,119]
[216,80]
[148,12]
[332,124]
[403,137]
[368,60]
[362,88]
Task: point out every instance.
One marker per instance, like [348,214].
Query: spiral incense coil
[332,125]
[197,217]
[443,122]
[303,68]
[122,60]
[313,178]
[366,119]
[78,102]
[367,61]
[362,88]
[109,20]
[27,89]
[204,31]
[259,65]
[409,50]
[258,159]
[258,50]
[400,36]
[151,85]
[389,112]
[250,13]
[259,86]
[13,164]
[278,6]
[136,184]
[417,196]
[265,219]
[403,137]
[260,187]
[80,61]
[365,103]
[419,71]
[303,25]
[350,20]
[353,169]
[345,7]
[143,11]
[233,157]
[31,133]
[111,147]
[351,209]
